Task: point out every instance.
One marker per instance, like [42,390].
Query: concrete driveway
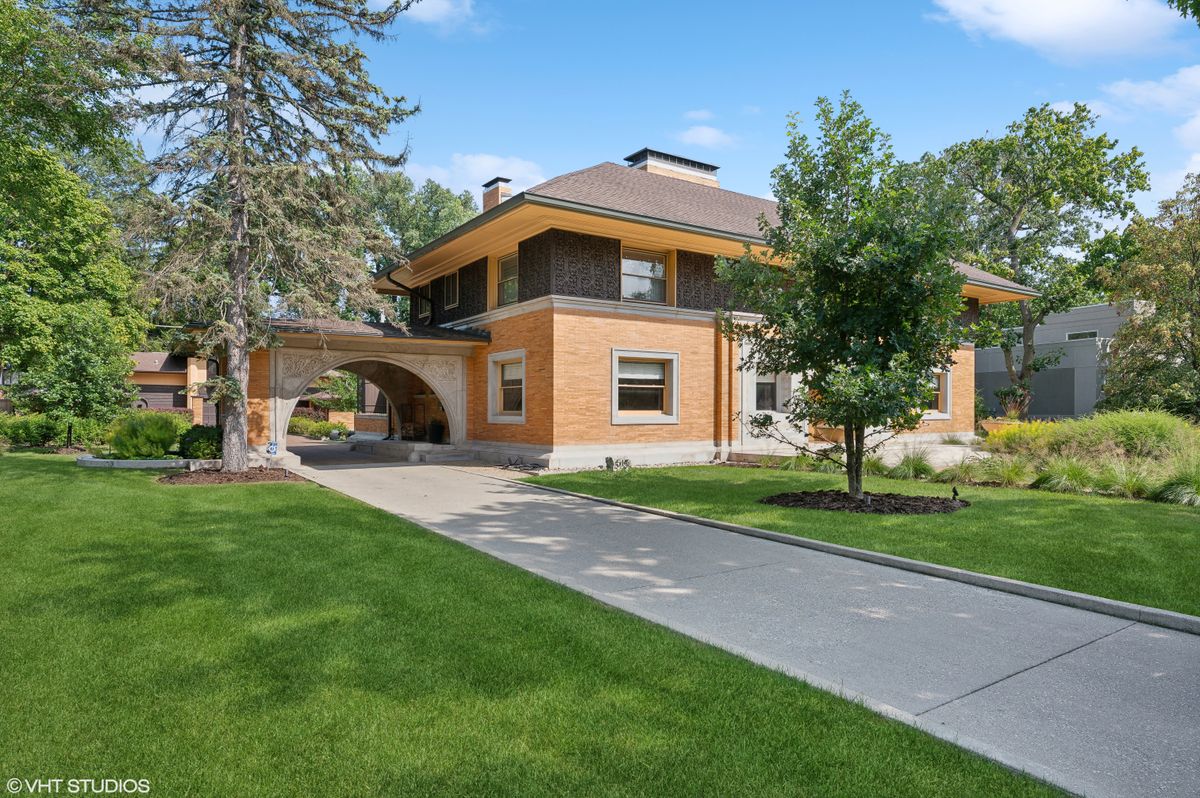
[1096,704]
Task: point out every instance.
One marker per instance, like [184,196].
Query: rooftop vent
[495,191]
[663,163]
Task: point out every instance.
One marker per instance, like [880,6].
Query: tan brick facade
[962,397]
[258,399]
[533,332]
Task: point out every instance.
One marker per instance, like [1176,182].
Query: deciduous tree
[1037,196]
[856,290]
[1154,360]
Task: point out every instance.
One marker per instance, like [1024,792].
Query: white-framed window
[1082,335]
[423,305]
[645,387]
[939,405]
[771,392]
[643,276]
[506,280]
[450,290]
[506,387]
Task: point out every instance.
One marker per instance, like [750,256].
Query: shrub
[180,419]
[143,436]
[1028,437]
[913,465]
[1008,472]
[966,471]
[28,429]
[955,440]
[1137,433]
[1064,475]
[1124,478]
[874,466]
[310,428]
[201,442]
[1183,485]
[801,462]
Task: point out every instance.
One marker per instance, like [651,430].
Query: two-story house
[575,321]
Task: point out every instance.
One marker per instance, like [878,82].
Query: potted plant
[437,431]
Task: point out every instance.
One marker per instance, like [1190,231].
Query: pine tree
[266,111]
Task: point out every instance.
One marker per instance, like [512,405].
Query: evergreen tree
[266,111]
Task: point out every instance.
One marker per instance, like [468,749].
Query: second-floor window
[423,304]
[506,285]
[643,276]
[450,290]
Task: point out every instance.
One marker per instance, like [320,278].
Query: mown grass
[282,640]
[1128,550]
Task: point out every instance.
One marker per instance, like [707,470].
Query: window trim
[1082,335]
[783,390]
[668,277]
[495,361]
[499,279]
[672,374]
[446,303]
[947,399]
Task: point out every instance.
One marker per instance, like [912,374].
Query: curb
[1139,613]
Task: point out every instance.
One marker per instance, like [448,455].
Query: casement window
[506,387]
[506,280]
[643,276]
[939,404]
[1082,335]
[645,387]
[766,393]
[423,305]
[450,290]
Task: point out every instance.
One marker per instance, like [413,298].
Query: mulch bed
[878,503]
[211,476]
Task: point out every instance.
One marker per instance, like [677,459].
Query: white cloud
[1176,93]
[1067,29]
[707,136]
[699,115]
[751,110]
[469,171]
[447,13]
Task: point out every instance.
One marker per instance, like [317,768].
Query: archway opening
[367,409]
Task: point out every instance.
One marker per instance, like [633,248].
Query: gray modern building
[1073,387]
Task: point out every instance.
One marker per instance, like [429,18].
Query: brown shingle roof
[158,362]
[611,187]
[633,191]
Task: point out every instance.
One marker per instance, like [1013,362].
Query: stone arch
[293,370]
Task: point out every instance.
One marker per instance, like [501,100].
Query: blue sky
[532,89]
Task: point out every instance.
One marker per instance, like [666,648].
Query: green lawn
[280,639]
[1128,550]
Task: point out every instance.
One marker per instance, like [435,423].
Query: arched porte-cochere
[402,364]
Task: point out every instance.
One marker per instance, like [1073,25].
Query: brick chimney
[664,163]
[495,191]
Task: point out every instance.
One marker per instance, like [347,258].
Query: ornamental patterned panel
[696,284]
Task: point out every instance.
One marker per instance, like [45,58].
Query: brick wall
[962,397]
[534,333]
[258,399]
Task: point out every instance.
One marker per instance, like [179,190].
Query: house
[162,381]
[576,321]
[1073,386]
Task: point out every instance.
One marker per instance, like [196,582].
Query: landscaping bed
[878,503]
[214,476]
[283,640]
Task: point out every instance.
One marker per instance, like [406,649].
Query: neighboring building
[1073,386]
[162,380]
[575,321]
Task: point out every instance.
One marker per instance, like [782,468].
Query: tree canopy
[415,215]
[1037,197]
[856,289]
[1154,360]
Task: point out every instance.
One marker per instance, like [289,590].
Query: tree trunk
[70,434]
[855,439]
[235,454]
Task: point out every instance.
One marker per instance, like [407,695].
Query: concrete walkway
[1096,704]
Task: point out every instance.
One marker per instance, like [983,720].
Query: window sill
[506,419]
[648,418]
[931,415]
